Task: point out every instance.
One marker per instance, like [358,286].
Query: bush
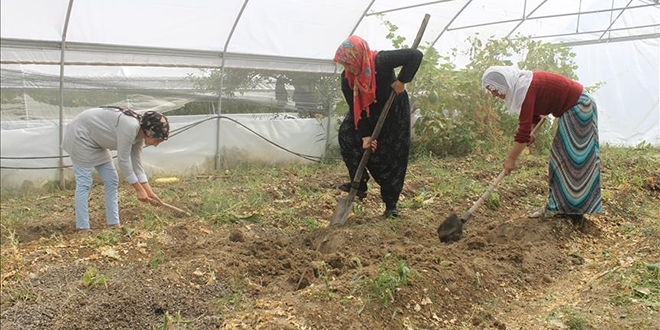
[443,136]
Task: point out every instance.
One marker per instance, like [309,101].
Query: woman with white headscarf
[574,164]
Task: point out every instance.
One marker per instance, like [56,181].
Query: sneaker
[540,213]
[362,189]
[391,213]
[577,219]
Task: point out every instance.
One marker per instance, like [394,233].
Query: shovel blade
[342,210]
[451,229]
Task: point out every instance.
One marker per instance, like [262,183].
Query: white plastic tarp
[190,151]
[617,42]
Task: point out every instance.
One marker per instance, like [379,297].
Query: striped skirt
[574,165]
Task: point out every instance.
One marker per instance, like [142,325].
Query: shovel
[345,205]
[174,208]
[451,229]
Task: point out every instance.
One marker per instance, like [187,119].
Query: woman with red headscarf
[367,82]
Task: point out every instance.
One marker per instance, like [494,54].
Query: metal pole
[594,31]
[364,14]
[452,21]
[408,7]
[525,17]
[25,101]
[222,78]
[61,121]
[334,93]
[577,26]
[330,104]
[614,21]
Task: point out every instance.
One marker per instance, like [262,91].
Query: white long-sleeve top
[91,135]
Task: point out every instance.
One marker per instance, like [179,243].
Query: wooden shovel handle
[383,115]
[495,182]
[174,208]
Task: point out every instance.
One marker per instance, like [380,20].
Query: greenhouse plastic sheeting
[151,46]
[188,152]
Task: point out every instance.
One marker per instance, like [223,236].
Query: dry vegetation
[257,254]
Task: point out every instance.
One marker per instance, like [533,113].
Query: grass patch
[288,199]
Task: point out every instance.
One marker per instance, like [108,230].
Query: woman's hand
[509,165]
[398,87]
[367,143]
[532,138]
[142,195]
[153,198]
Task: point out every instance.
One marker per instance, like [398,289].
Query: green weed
[323,273]
[153,222]
[493,201]
[576,321]
[311,223]
[170,321]
[233,300]
[392,274]
[104,238]
[23,293]
[92,278]
[157,259]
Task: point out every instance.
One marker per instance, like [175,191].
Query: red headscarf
[355,51]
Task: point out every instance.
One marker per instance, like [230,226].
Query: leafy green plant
[443,136]
[459,116]
[157,259]
[233,300]
[104,238]
[153,222]
[392,274]
[169,321]
[576,321]
[323,273]
[92,278]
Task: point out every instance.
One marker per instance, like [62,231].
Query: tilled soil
[200,276]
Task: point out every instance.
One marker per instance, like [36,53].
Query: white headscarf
[508,81]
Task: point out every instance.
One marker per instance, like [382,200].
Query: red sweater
[548,93]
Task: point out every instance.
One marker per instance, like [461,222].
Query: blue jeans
[110,180]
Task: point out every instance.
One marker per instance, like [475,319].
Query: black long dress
[389,163]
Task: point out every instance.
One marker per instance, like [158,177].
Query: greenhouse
[260,200]
[61,57]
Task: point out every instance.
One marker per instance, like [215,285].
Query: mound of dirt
[246,276]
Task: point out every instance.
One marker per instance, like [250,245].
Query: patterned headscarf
[508,81]
[355,51]
[153,124]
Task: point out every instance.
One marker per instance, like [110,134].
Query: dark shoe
[391,213]
[577,219]
[361,192]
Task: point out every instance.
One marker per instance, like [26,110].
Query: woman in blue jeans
[89,138]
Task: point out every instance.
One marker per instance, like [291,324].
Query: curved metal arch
[222,79]
[65,29]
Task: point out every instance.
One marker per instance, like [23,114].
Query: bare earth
[173,272]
